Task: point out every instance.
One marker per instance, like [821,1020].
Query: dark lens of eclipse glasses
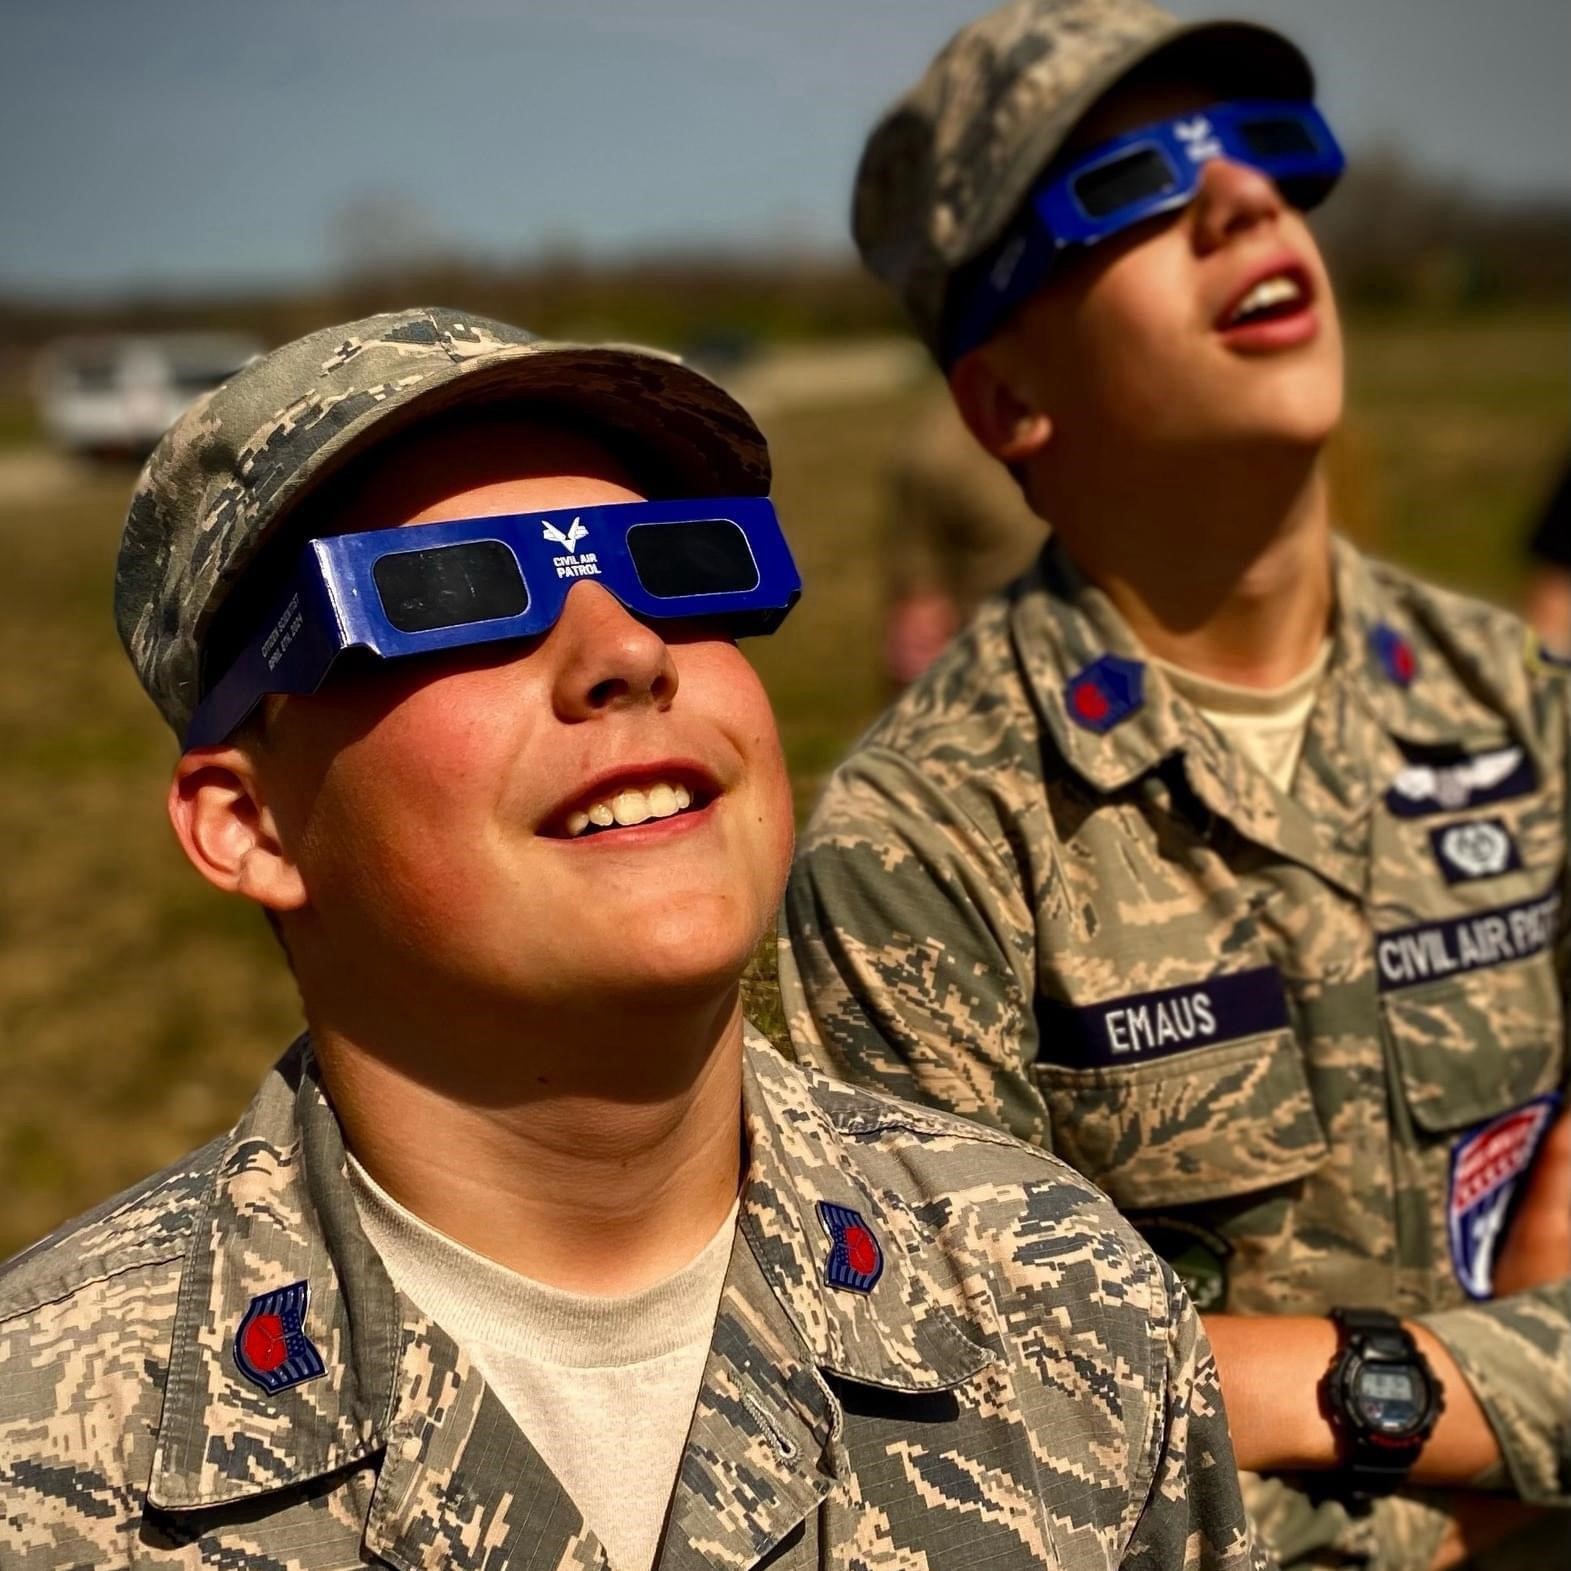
[1277,138]
[1137,176]
[450,586]
[707,557]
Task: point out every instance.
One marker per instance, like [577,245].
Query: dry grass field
[137,1009]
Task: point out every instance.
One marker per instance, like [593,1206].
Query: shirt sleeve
[1515,1353]
[1194,1514]
[908,950]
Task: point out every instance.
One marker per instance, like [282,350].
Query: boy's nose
[606,658]
[1232,198]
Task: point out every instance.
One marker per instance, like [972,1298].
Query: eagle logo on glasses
[575,533]
[583,565]
[1198,138]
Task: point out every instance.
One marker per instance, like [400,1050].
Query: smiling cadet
[1224,863]
[528,1254]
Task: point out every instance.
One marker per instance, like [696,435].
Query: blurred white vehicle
[116,395]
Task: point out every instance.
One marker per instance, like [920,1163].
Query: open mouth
[1280,294]
[625,805]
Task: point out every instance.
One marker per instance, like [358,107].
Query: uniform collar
[1420,685]
[1451,698]
[280,1210]
[802,1132]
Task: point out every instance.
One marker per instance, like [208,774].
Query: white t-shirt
[1266,725]
[603,1387]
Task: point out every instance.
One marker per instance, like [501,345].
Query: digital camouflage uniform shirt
[1305,1043]
[934,1347]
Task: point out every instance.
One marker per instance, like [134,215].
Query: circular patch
[1090,702]
[1197,1255]
[861,1251]
[265,1345]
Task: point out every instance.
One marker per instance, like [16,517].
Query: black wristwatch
[1381,1397]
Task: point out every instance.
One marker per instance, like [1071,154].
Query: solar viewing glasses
[1152,170]
[428,587]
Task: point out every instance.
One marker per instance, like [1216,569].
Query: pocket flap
[1191,1126]
[1471,1047]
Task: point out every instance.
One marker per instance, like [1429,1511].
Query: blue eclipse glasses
[1139,175]
[427,587]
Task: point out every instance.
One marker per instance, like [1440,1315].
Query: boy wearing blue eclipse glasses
[528,1253]
[1183,861]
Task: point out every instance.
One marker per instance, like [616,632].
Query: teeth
[1267,293]
[631,807]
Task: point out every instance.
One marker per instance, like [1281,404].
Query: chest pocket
[1473,1010]
[1182,1095]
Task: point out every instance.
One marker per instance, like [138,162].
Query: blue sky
[213,143]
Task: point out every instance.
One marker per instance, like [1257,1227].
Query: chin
[1300,411]
[678,954]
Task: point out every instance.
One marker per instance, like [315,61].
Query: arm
[1194,1515]
[1506,1369]
[1271,1367]
[908,950]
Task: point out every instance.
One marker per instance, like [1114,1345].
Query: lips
[625,798]
[1278,290]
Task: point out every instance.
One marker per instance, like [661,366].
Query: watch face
[1390,1397]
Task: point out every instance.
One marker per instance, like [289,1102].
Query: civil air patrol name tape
[1430,951]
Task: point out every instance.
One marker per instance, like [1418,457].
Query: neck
[596,1155]
[1223,568]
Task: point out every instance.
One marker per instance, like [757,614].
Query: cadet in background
[1223,862]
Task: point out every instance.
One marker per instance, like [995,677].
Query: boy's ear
[228,832]
[997,412]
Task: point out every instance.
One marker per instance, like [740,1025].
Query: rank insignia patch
[1109,690]
[1487,1165]
[855,1259]
[1394,653]
[271,1346]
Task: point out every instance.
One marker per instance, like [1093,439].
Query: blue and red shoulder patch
[1394,653]
[1100,695]
[271,1347]
[1487,1165]
[856,1260]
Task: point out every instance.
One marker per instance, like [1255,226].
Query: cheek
[1139,330]
[406,800]
[721,682]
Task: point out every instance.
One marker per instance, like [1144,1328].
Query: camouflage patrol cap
[948,165]
[227,473]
